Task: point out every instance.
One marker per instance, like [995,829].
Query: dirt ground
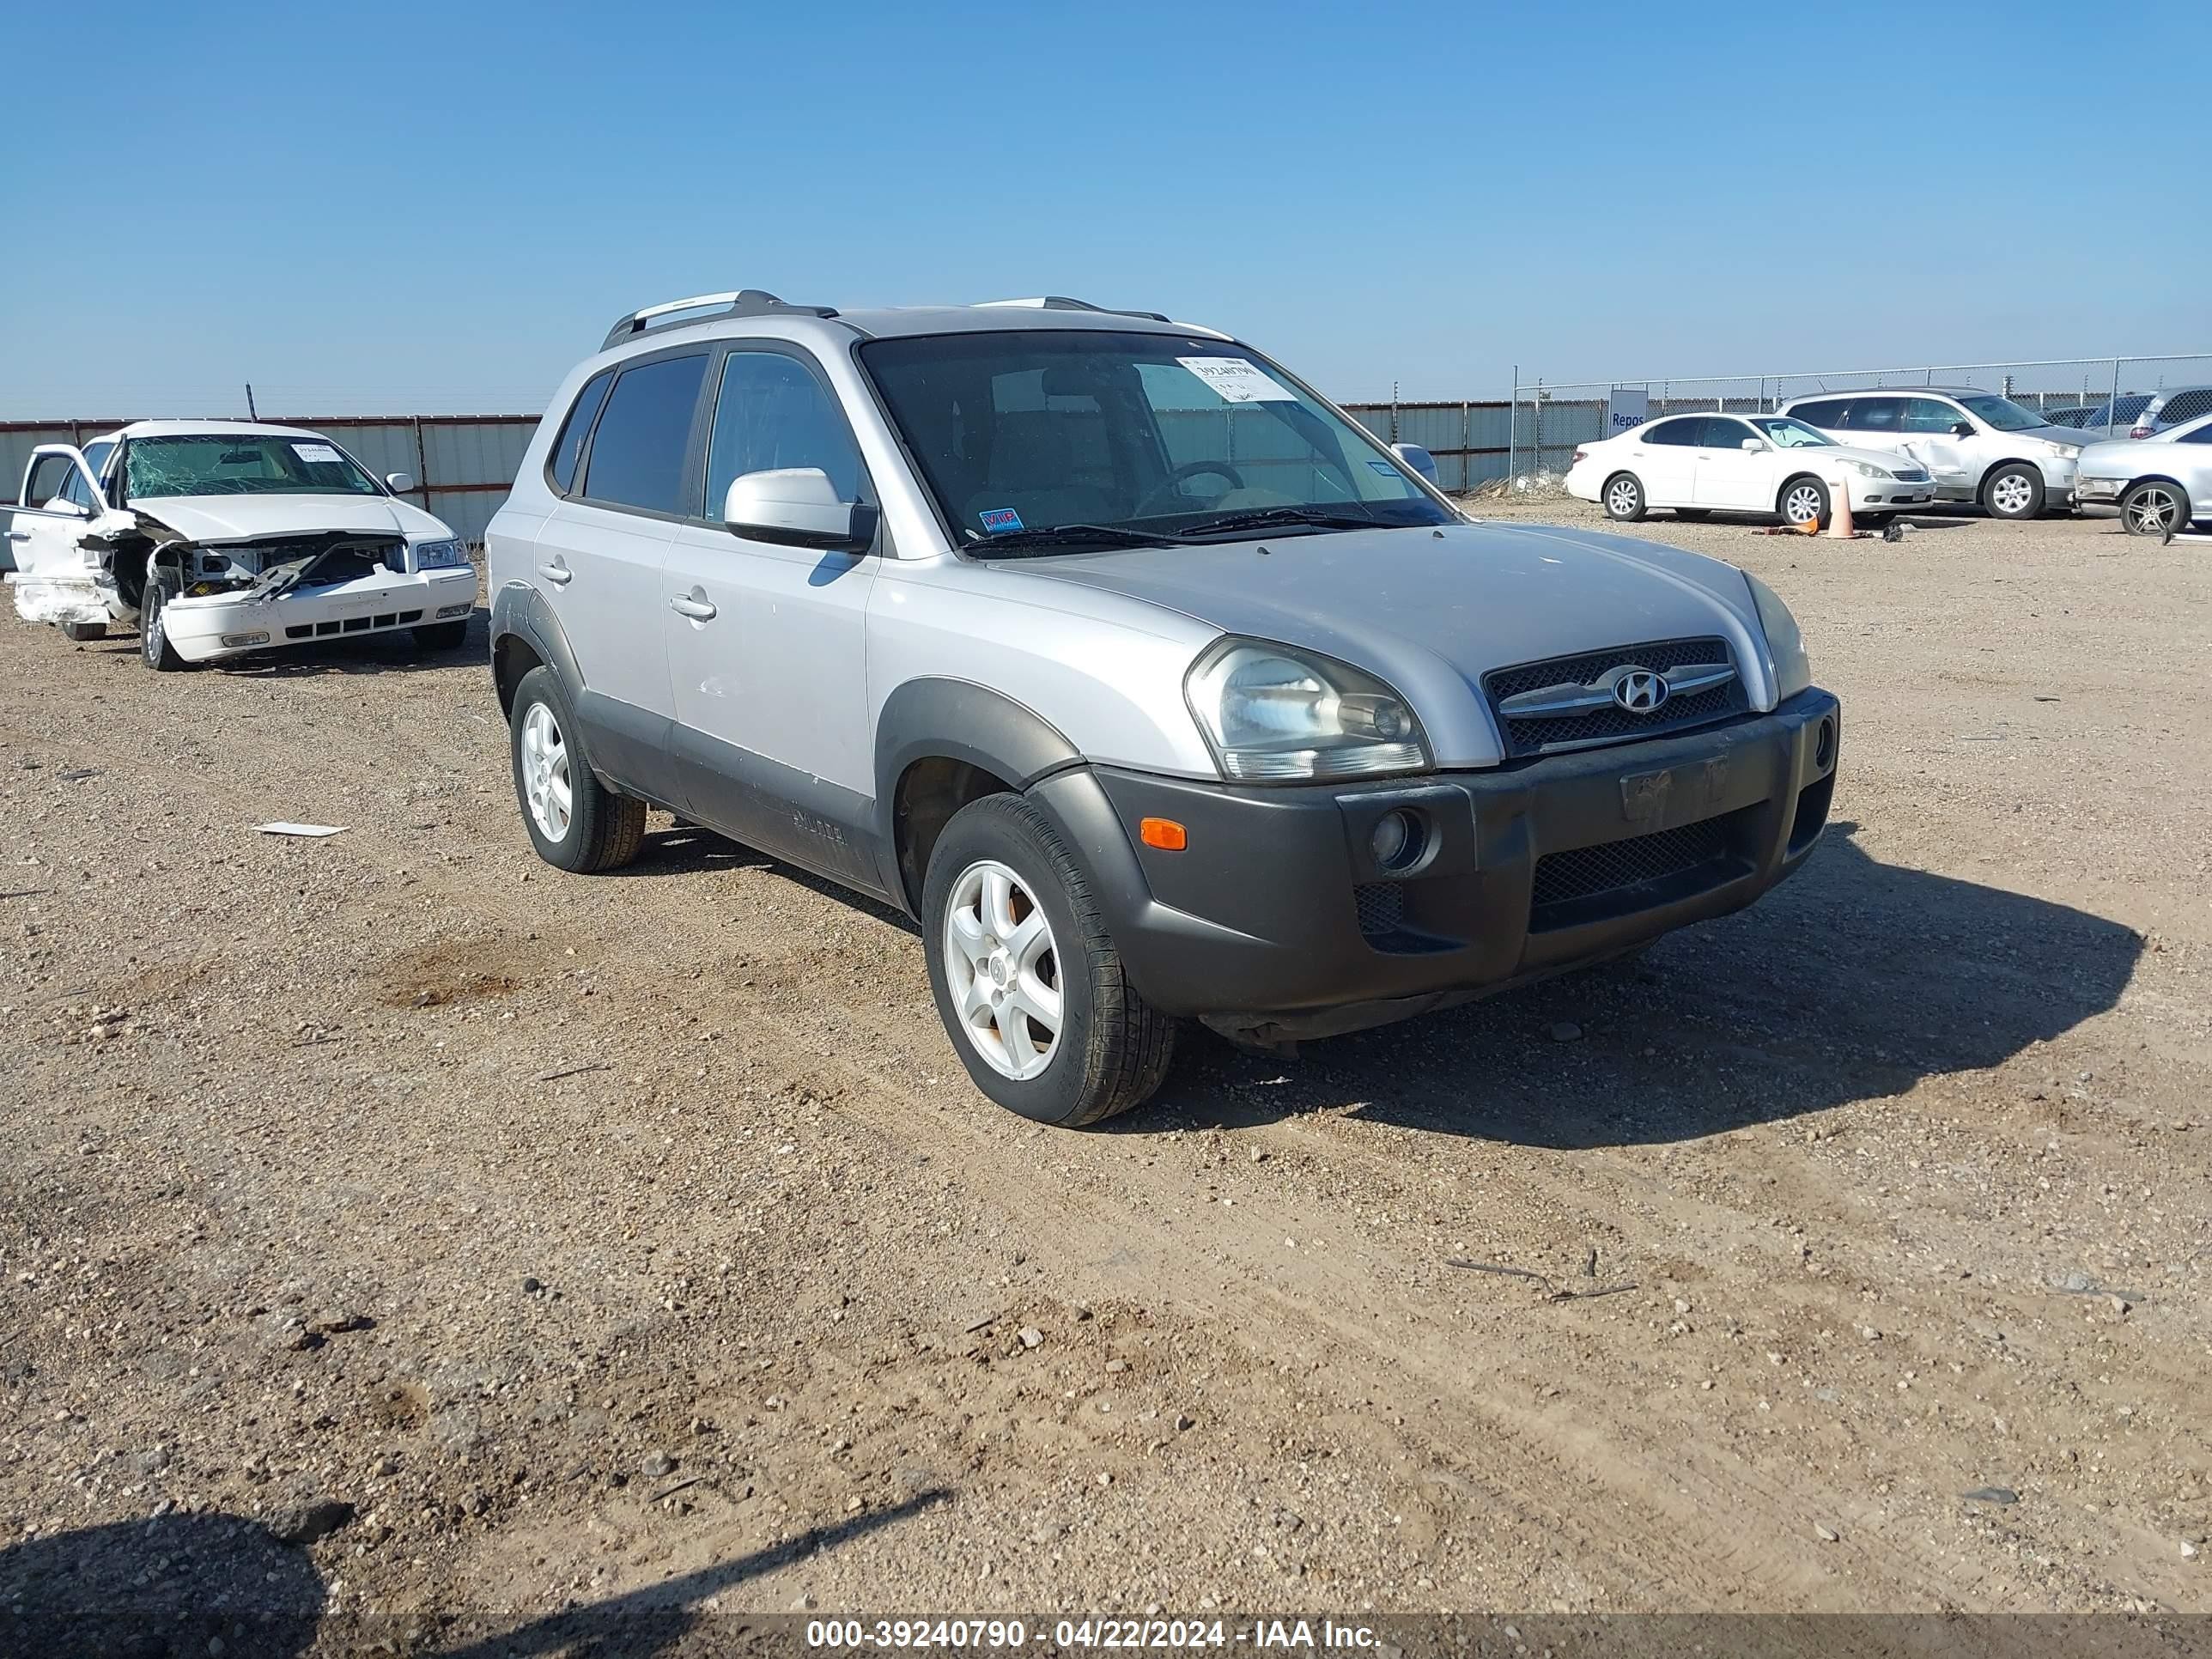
[589,1235]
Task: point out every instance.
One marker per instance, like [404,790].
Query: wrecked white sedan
[222,537]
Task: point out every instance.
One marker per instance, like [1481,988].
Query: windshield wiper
[1046,537]
[1268,518]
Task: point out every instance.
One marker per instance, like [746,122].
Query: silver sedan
[2161,484]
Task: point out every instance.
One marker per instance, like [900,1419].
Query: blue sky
[441,208]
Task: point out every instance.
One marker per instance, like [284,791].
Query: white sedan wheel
[1803,504]
[1002,966]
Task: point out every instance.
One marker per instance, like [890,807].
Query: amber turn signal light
[1163,833]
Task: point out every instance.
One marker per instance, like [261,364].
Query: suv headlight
[2064,452]
[1869,469]
[1275,716]
[1793,669]
[441,555]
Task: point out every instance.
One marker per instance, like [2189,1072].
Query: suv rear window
[568,449]
[2185,406]
[639,449]
[1827,412]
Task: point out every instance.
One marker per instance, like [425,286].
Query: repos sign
[1629,406]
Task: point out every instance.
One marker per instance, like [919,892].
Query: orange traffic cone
[1839,510]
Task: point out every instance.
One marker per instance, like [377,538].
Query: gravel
[339,1095]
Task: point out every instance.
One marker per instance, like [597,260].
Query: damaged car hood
[244,518]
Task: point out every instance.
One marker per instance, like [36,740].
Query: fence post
[1466,447]
[422,465]
[2112,409]
[1536,437]
[1513,430]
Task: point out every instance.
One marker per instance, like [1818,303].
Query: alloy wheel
[545,780]
[1002,966]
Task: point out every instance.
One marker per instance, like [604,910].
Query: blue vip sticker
[1384,468]
[1000,519]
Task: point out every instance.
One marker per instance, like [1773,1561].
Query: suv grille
[1541,734]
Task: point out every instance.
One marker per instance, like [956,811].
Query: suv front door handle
[557,572]
[19,534]
[694,605]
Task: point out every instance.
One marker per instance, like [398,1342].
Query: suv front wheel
[1027,979]
[575,822]
[2013,492]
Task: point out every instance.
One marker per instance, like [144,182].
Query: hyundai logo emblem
[1639,690]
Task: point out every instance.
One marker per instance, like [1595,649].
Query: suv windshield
[1061,439]
[1786,434]
[2001,412]
[250,464]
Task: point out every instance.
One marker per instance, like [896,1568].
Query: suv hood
[242,518]
[1430,612]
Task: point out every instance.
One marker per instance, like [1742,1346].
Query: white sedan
[1764,463]
[220,538]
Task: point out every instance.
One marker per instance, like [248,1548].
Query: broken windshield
[259,464]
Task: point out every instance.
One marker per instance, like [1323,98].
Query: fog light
[446,610]
[1824,746]
[245,639]
[1397,839]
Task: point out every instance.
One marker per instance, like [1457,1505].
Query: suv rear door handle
[557,572]
[19,534]
[694,605]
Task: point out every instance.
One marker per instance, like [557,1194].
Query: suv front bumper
[1277,922]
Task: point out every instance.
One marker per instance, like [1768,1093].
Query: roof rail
[1062,302]
[740,302]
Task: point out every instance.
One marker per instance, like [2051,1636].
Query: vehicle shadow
[221,1583]
[1853,980]
[1919,520]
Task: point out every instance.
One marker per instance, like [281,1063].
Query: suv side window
[639,450]
[1829,411]
[1875,413]
[1689,431]
[569,449]
[771,411]
[2185,406]
[1929,414]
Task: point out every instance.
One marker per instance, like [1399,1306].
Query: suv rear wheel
[1027,979]
[575,822]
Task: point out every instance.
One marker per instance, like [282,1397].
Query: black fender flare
[947,719]
[518,610]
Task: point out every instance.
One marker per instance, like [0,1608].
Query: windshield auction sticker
[316,454]
[1238,380]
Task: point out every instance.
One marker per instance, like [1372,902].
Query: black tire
[2156,507]
[1623,498]
[442,636]
[1113,1046]
[83,633]
[1803,500]
[2018,502]
[1693,514]
[153,647]
[605,828]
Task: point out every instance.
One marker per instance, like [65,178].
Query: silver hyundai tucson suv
[1146,682]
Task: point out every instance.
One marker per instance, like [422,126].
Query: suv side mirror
[1417,458]
[1962,429]
[399,483]
[796,507]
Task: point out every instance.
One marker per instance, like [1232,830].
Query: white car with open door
[1771,464]
[1979,447]
[216,538]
